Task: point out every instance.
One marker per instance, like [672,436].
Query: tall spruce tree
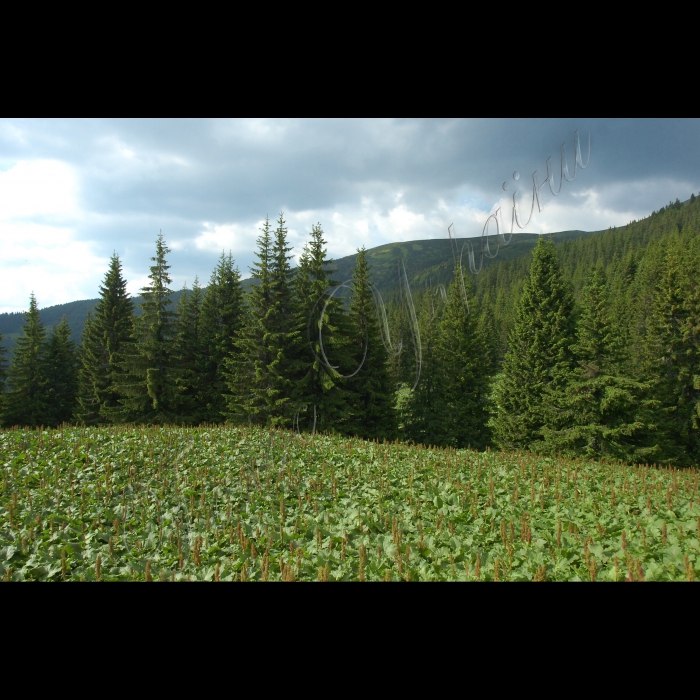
[466,348]
[222,319]
[539,360]
[281,336]
[245,369]
[27,401]
[189,357]
[259,375]
[319,318]
[602,410]
[61,368]
[147,385]
[371,390]
[107,336]
[672,351]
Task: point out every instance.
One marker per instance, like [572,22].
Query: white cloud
[34,188]
[40,251]
[369,224]
[216,238]
[40,218]
[583,210]
[45,260]
[136,281]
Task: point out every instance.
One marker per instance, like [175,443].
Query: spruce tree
[466,359]
[402,363]
[539,358]
[147,385]
[106,339]
[3,377]
[602,409]
[189,357]
[423,411]
[672,352]
[87,409]
[27,401]
[281,336]
[247,370]
[487,327]
[61,368]
[319,385]
[3,367]
[371,390]
[222,319]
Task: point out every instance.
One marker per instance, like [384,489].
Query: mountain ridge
[423,259]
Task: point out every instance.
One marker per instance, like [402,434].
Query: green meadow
[251,504]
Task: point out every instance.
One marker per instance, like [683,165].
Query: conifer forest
[538,421]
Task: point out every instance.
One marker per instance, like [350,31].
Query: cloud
[48,261]
[40,250]
[218,238]
[37,188]
[110,185]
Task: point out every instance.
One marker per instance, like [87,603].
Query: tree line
[603,364]
[220,355]
[590,348]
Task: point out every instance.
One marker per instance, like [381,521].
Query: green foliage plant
[223,503]
[260,374]
[245,370]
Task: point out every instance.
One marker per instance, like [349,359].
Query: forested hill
[74,311]
[431,261]
[625,255]
[425,261]
[428,262]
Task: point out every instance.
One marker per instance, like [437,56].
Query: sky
[72,192]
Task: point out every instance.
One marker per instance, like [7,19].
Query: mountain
[424,260]
[74,311]
[431,261]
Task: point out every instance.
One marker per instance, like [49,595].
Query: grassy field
[236,504]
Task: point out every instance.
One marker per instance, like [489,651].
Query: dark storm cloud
[237,171]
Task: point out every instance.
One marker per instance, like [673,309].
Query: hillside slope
[74,311]
[618,252]
[250,504]
[424,260]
